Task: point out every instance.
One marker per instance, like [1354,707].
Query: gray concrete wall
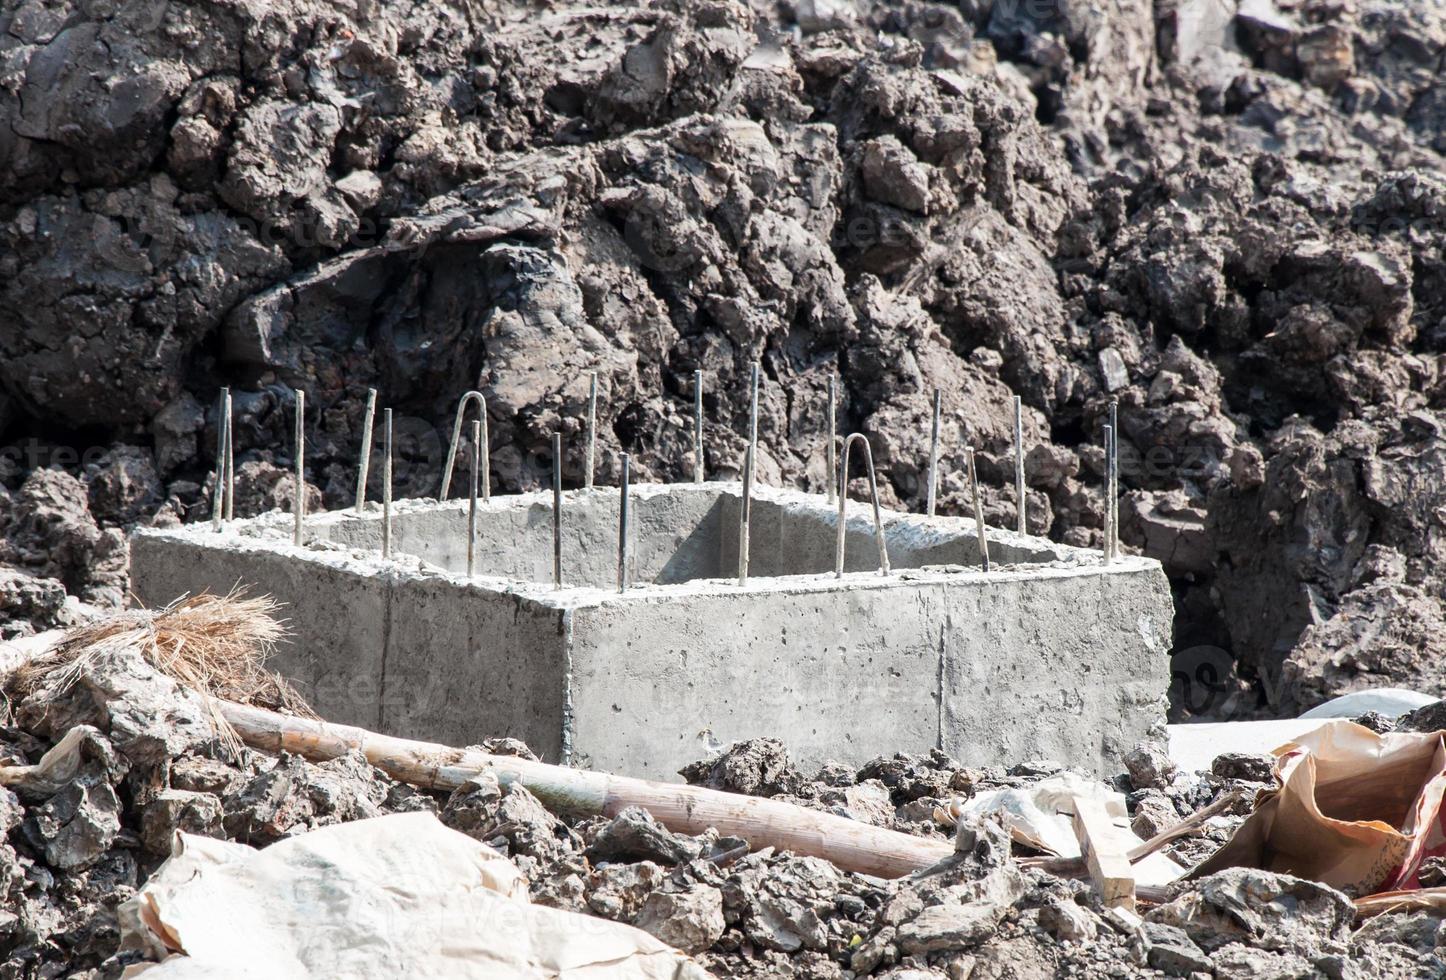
[797,534]
[398,649]
[1065,664]
[674,534]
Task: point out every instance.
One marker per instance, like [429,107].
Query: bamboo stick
[849,844]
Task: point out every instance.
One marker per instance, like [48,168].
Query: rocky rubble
[138,761]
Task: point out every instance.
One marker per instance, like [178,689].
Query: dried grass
[217,646]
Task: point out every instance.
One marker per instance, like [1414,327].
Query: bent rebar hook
[843,496]
[486,479]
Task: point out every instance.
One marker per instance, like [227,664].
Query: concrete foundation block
[1051,654]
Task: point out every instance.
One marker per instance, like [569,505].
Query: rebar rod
[623,535]
[218,492]
[1114,480]
[934,452]
[591,429]
[557,510]
[298,505]
[364,463]
[843,497]
[980,528]
[457,436]
[830,438]
[1105,546]
[386,483]
[472,499]
[1021,498]
[230,459]
[745,516]
[753,420]
[697,426]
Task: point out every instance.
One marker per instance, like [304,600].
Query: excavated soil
[1228,221]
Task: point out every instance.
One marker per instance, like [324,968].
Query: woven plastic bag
[1353,809]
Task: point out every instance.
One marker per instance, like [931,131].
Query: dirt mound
[1230,221]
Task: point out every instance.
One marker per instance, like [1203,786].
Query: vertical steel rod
[364,464]
[832,435]
[298,505]
[386,483]
[623,525]
[1109,444]
[697,426]
[1114,480]
[472,500]
[934,451]
[753,420]
[230,460]
[218,494]
[591,429]
[557,510]
[1021,505]
[843,498]
[979,527]
[486,450]
[745,516]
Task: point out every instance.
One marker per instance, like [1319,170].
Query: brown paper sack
[1353,809]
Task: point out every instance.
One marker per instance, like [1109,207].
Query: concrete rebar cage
[1051,654]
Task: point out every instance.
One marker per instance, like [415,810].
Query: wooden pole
[849,844]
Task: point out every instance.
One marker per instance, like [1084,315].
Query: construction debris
[107,758]
[376,899]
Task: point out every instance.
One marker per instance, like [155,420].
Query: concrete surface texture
[1050,654]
